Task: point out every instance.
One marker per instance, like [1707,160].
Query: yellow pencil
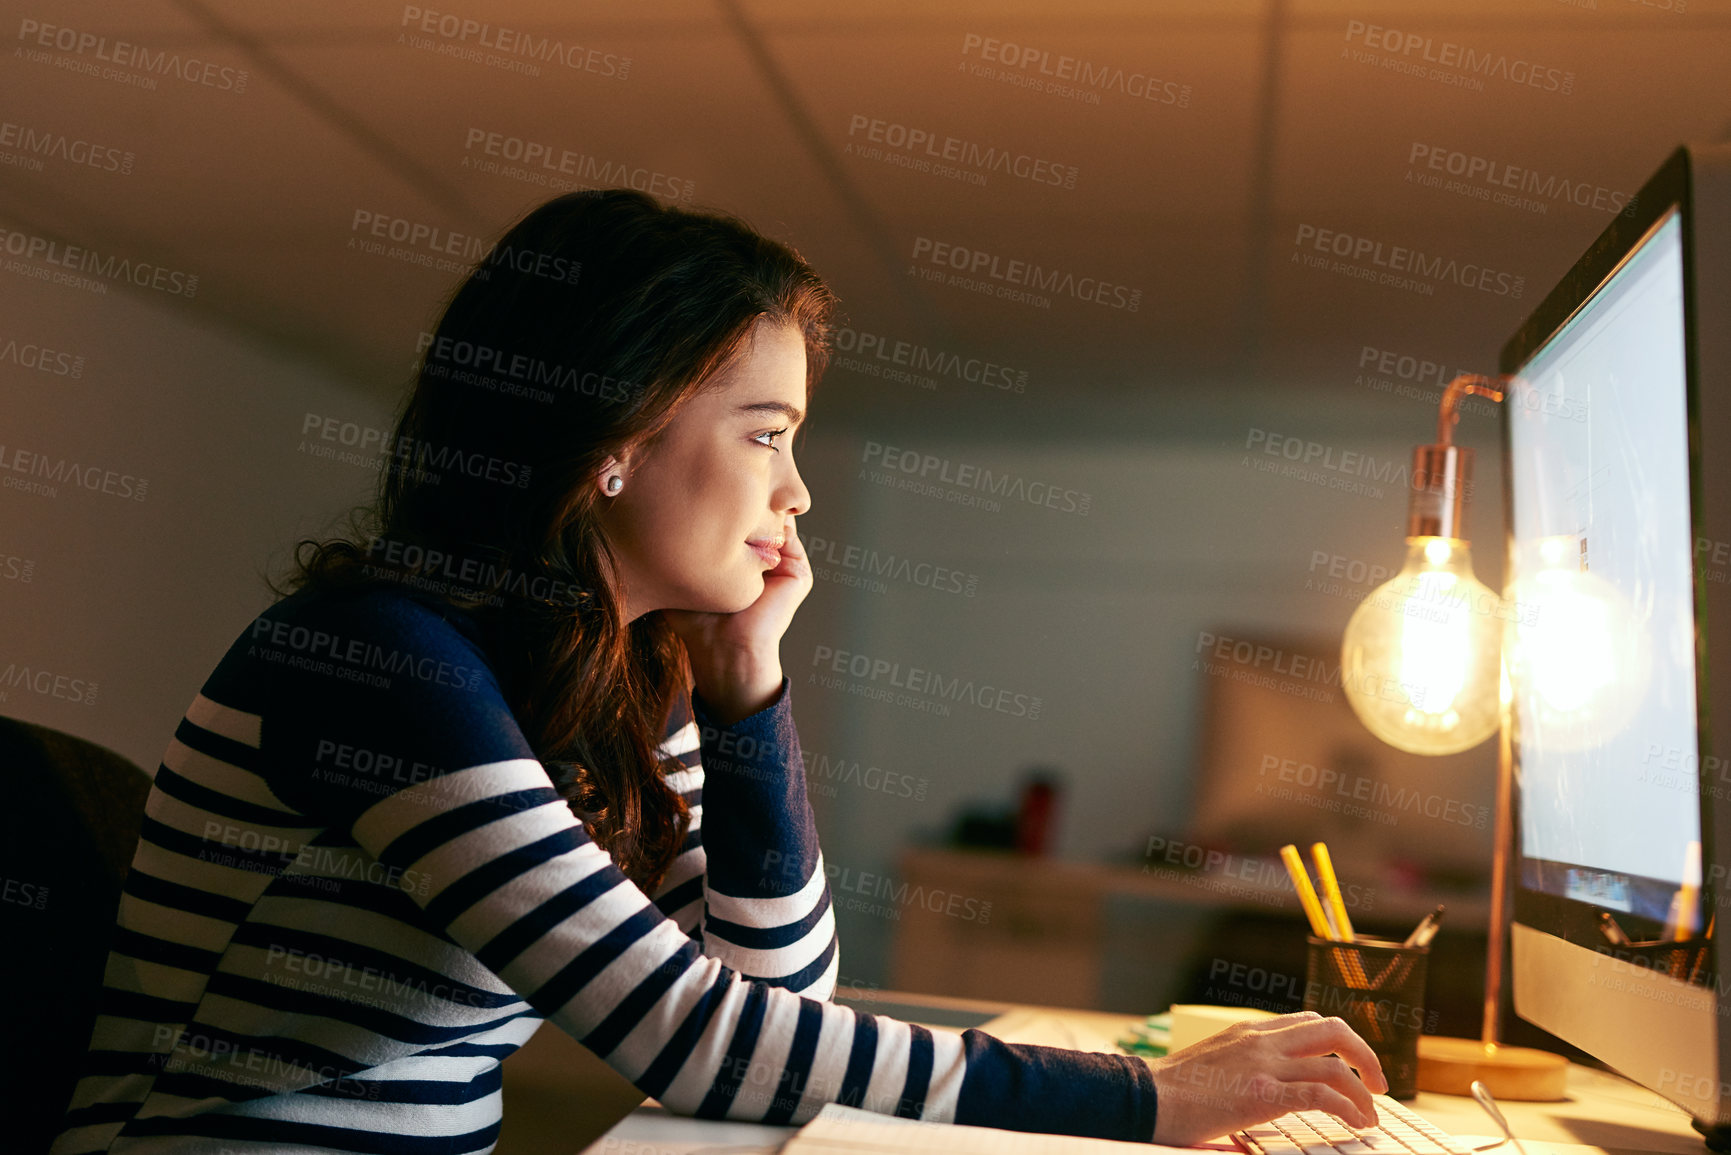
[1689,893]
[1331,890]
[1306,892]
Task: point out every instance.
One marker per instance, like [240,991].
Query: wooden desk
[1603,1114]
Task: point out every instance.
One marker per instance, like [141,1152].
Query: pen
[1306,892]
[1331,889]
[1426,929]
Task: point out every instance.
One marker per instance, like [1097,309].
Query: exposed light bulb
[1421,658]
[1421,661]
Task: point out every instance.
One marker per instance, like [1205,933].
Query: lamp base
[1448,1066]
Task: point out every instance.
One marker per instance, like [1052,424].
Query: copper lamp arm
[1462,385]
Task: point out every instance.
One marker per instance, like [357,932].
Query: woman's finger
[1322,1036]
[1279,1022]
[1321,1097]
[1330,1071]
[794,548]
[794,563]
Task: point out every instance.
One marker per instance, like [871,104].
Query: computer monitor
[1617,467]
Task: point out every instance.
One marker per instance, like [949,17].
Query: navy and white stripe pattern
[356,891]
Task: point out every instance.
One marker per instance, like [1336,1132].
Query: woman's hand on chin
[736,658]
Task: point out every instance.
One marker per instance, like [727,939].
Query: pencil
[1689,894]
[1335,912]
[1306,892]
[1331,889]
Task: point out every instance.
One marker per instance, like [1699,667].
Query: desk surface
[1603,1113]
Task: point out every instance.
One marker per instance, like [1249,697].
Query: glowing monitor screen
[1602,646]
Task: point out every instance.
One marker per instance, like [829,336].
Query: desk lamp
[1422,665]
[1420,658]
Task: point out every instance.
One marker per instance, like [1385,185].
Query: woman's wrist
[739,686]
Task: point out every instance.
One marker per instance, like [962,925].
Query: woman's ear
[611,478]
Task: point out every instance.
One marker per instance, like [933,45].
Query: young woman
[523,749]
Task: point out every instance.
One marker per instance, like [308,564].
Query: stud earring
[614,483]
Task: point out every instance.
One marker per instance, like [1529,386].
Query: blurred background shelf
[1115,938]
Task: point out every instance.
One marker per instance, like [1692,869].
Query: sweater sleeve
[501,867]
[766,899]
[769,917]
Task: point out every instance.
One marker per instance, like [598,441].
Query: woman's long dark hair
[577,337]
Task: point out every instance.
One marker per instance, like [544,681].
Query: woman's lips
[770,555]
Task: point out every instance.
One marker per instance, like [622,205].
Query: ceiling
[1269,122]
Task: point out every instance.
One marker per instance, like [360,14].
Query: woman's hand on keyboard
[1254,1071]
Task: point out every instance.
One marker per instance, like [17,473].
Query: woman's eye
[770,433]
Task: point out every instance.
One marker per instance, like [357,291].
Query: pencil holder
[1378,987]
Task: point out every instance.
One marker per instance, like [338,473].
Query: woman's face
[720,477]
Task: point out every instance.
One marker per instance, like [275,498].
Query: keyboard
[1401,1131]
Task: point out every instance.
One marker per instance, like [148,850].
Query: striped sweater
[356,891]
